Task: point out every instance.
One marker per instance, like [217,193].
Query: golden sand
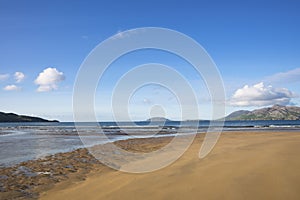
[243,165]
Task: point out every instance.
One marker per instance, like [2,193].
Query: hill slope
[11,117]
[276,112]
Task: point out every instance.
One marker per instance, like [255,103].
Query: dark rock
[3,177]
[22,170]
[69,166]
[2,189]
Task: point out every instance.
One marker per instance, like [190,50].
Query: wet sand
[28,180]
[243,165]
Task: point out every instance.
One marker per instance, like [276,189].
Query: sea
[28,141]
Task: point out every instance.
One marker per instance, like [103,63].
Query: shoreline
[26,180]
[62,172]
[161,134]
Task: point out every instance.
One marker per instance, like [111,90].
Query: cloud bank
[261,95]
[49,79]
[19,77]
[11,88]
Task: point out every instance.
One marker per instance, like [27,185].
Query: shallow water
[26,141]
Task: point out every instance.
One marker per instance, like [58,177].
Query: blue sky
[250,41]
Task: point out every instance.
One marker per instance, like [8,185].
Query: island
[158,119]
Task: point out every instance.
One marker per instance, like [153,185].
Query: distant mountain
[11,117]
[238,114]
[158,119]
[276,112]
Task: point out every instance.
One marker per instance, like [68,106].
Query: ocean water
[26,141]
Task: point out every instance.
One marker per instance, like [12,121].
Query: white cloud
[128,33]
[283,77]
[48,79]
[11,88]
[4,77]
[19,76]
[119,35]
[261,95]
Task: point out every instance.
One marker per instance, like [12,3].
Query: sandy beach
[243,165]
[126,100]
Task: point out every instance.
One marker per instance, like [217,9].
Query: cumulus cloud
[19,76]
[49,79]
[3,77]
[11,88]
[283,77]
[261,95]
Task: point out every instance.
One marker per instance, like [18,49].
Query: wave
[12,133]
[283,126]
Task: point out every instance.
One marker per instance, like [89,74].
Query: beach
[149,100]
[243,165]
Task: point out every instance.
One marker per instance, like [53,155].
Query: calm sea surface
[26,141]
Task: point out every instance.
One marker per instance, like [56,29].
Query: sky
[254,44]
